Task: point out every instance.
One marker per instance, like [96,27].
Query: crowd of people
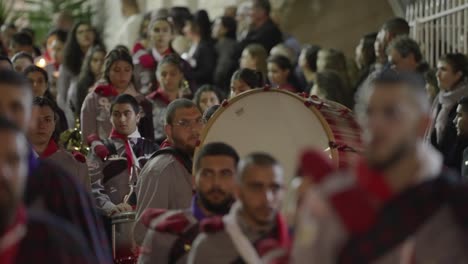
[141,105]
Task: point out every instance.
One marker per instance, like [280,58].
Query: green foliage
[5,9]
[41,12]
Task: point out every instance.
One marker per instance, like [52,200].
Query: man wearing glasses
[166,181]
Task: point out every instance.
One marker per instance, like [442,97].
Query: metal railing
[439,26]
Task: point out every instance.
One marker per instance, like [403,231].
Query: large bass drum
[284,124]
[123,248]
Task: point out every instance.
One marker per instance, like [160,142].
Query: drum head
[123,217]
[275,121]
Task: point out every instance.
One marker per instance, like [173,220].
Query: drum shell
[123,246]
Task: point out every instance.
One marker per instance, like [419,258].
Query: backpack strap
[183,158]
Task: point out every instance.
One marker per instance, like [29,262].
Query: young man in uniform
[254,230]
[172,232]
[30,236]
[43,140]
[399,205]
[48,187]
[166,181]
[114,178]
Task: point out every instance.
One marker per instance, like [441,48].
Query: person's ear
[138,117]
[168,130]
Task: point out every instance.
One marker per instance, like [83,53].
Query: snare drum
[284,124]
[123,247]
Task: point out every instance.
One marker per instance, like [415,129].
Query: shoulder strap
[186,162]
[183,244]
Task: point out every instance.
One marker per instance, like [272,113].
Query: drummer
[126,153]
[244,80]
[215,167]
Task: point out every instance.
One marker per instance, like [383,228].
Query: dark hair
[368,51]
[458,62]
[201,23]
[263,4]
[405,46]
[22,38]
[43,101]
[464,103]
[22,55]
[430,77]
[205,88]
[123,48]
[215,149]
[114,56]
[29,31]
[179,15]
[5,58]
[311,52]
[412,82]
[331,86]
[72,53]
[10,77]
[60,34]
[126,99]
[397,26]
[256,158]
[176,105]
[173,59]
[254,79]
[284,63]
[86,78]
[230,24]
[34,68]
[209,112]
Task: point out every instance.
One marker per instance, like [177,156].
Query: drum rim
[328,131]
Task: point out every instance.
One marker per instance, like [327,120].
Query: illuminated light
[41,63]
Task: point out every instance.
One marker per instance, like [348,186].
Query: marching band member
[171,232]
[42,135]
[399,205]
[254,231]
[166,181]
[112,178]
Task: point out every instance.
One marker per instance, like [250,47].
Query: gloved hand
[97,146]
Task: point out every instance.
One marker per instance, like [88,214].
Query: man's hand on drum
[121,208]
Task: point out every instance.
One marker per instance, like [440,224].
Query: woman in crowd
[452,76]
[206,96]
[365,57]
[334,60]
[117,79]
[55,44]
[170,76]
[245,79]
[254,57]
[40,86]
[329,85]
[280,73]
[201,55]
[308,66]
[91,72]
[160,34]
[224,31]
[21,61]
[81,38]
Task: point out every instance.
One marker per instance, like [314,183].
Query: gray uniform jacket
[67,162]
[110,179]
[164,183]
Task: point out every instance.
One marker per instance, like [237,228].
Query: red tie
[128,148]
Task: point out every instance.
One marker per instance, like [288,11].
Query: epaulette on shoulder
[174,224]
[150,214]
[212,225]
